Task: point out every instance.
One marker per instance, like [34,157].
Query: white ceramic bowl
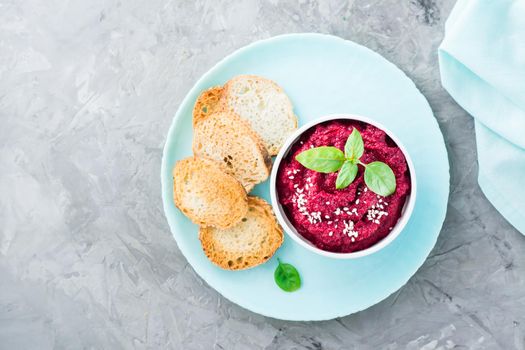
[290,229]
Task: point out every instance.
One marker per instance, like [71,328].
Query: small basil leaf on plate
[354,147]
[287,277]
[380,178]
[346,175]
[325,159]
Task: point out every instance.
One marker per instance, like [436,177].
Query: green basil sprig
[346,175]
[287,277]
[324,159]
[379,177]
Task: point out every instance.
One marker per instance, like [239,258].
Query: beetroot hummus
[350,219]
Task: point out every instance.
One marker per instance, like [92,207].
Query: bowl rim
[290,229]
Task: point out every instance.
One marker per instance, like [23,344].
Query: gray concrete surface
[87,92]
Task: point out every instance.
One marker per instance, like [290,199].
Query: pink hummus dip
[350,219]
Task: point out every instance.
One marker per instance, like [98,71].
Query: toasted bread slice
[264,105]
[226,138]
[249,243]
[206,194]
[206,103]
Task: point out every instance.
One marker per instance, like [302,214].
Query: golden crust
[251,242]
[206,194]
[206,103]
[209,141]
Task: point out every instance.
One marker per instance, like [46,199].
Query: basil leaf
[324,159]
[354,147]
[346,175]
[380,178]
[287,277]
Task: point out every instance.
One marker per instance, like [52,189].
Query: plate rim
[167,200]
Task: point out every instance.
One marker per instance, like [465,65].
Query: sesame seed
[327,217]
[357,201]
[330,233]
[349,229]
[375,213]
[327,203]
[291,177]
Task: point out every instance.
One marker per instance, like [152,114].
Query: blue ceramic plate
[323,75]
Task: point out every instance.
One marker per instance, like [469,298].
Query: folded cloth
[482,64]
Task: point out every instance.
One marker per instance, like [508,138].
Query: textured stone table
[87,93]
